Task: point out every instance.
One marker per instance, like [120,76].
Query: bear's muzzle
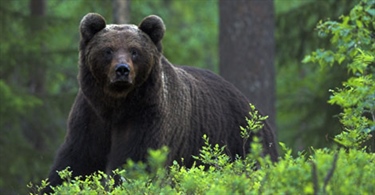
[122,70]
[122,75]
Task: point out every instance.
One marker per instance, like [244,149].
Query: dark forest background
[257,45]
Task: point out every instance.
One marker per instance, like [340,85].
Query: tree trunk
[246,46]
[121,11]
[37,66]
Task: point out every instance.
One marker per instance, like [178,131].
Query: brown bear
[131,98]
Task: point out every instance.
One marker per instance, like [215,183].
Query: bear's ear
[154,27]
[91,23]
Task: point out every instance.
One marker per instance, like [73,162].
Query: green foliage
[254,124]
[303,114]
[17,102]
[353,48]
[324,171]
[212,156]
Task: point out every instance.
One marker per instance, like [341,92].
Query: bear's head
[119,57]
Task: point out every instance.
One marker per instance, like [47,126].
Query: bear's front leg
[86,144]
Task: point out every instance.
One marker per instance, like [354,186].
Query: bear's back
[216,86]
[217,108]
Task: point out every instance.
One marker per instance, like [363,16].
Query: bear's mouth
[120,85]
[118,89]
[121,81]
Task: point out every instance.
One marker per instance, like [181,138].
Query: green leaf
[371,12]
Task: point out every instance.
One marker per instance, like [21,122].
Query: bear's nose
[122,69]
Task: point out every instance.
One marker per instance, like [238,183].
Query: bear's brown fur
[132,98]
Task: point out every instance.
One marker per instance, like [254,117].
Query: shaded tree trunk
[121,11]
[246,49]
[37,65]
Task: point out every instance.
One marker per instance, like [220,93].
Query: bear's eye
[134,53]
[108,52]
